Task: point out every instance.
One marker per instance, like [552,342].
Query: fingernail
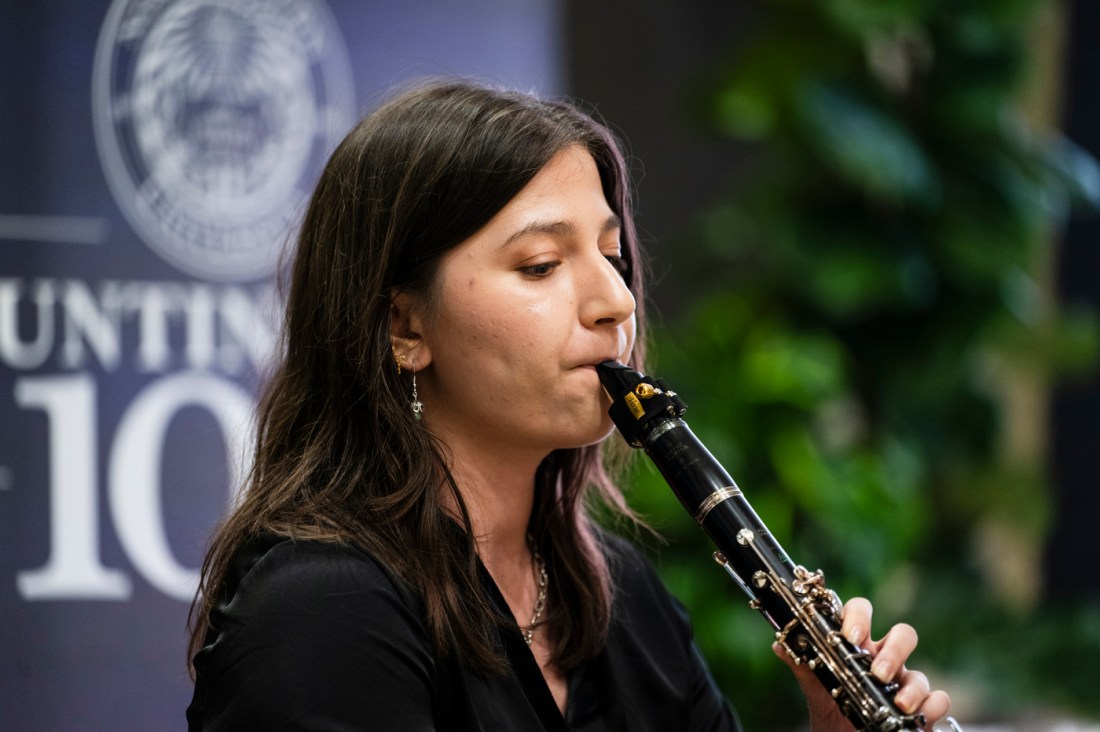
[903,701]
[855,635]
[881,669]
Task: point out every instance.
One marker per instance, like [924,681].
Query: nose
[606,300]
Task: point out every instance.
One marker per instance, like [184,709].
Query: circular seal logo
[212,119]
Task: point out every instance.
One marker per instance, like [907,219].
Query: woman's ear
[410,348]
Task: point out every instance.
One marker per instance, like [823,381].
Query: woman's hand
[889,656]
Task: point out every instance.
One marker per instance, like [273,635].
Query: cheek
[540,325]
[486,338]
[542,315]
[494,327]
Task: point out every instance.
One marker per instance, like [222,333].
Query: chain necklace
[540,601]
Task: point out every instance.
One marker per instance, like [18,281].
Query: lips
[598,360]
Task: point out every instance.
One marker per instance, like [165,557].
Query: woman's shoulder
[651,652]
[628,562]
[638,587]
[287,570]
[304,629]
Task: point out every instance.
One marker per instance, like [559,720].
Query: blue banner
[154,157]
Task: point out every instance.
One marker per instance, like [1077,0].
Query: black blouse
[318,636]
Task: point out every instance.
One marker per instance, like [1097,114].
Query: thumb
[824,712]
[802,673]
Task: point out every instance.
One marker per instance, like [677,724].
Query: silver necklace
[540,601]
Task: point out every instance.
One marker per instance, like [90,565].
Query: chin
[600,432]
[588,420]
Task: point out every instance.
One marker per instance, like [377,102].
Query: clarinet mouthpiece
[617,379]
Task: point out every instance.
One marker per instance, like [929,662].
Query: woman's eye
[619,263]
[542,269]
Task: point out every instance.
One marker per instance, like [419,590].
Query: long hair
[338,455]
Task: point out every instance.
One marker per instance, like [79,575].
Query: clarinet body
[804,613]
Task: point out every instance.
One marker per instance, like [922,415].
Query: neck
[499,493]
[497,486]
[499,497]
[499,506]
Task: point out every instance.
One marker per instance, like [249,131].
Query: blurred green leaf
[864,307]
[863,144]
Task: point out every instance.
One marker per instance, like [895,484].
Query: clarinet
[803,611]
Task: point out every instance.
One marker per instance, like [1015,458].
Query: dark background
[1073,555]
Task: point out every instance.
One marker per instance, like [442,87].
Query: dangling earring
[417,405]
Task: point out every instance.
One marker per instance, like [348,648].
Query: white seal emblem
[212,119]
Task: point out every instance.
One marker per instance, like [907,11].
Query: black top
[321,636]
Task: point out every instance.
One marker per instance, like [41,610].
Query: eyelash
[540,270]
[544,269]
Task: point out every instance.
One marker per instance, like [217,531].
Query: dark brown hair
[338,456]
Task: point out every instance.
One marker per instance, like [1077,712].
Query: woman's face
[525,308]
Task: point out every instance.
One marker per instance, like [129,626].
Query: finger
[936,706]
[894,649]
[856,620]
[914,691]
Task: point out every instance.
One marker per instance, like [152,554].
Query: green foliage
[867,298]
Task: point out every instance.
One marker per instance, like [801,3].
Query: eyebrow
[560,228]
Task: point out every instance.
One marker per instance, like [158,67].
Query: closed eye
[540,270]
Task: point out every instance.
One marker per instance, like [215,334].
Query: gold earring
[397,359]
